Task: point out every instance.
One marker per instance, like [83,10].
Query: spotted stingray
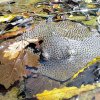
[68,47]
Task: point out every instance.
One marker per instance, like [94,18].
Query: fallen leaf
[11,54]
[14,69]
[6,18]
[97,96]
[65,93]
[10,95]
[14,32]
[13,50]
[31,60]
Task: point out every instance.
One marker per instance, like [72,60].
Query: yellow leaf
[11,55]
[65,93]
[88,1]
[91,5]
[9,17]
[93,61]
[6,18]
[14,29]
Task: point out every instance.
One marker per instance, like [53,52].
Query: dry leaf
[13,69]
[31,60]
[14,49]
[14,32]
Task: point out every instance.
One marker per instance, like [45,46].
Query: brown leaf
[31,60]
[13,50]
[13,69]
[11,34]
[15,32]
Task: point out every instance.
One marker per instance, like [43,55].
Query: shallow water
[58,71]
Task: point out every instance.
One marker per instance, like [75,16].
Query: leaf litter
[13,61]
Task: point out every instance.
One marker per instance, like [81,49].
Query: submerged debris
[46,46]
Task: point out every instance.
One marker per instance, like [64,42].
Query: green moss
[82,19]
[91,22]
[77,18]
